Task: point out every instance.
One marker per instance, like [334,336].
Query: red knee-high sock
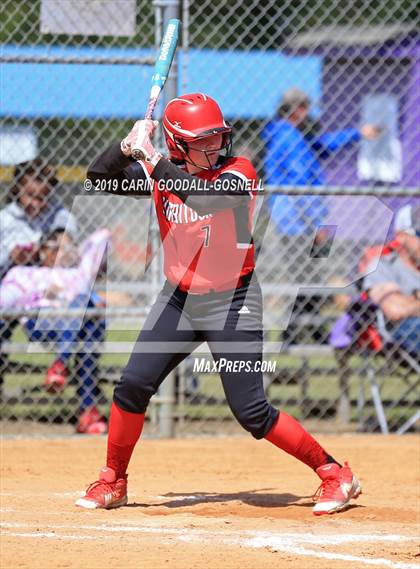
[291,437]
[124,431]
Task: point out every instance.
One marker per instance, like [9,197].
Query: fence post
[169,9]
[167,407]
[344,403]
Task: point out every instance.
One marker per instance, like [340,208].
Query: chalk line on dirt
[291,543]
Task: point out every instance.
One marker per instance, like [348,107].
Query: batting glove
[138,141]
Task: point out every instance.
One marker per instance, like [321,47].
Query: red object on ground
[56,377]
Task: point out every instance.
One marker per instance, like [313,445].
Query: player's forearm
[200,195]
[125,175]
[109,163]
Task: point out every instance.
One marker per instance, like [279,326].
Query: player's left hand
[139,137]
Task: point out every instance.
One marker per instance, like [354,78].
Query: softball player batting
[204,200]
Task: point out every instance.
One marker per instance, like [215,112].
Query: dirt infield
[214,503]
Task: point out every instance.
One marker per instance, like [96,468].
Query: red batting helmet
[191,117]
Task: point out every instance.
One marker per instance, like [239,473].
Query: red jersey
[208,252]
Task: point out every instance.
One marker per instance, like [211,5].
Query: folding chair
[362,331]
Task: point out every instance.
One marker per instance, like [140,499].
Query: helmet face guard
[185,146]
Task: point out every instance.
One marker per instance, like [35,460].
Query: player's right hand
[145,127]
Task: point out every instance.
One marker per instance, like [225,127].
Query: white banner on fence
[96,17]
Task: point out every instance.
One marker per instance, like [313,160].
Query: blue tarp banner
[246,84]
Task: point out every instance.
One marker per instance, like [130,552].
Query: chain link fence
[323,98]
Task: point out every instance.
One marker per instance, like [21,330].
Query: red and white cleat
[107,492]
[338,487]
[56,377]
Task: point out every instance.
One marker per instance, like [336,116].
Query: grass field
[207,403]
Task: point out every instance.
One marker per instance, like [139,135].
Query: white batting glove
[139,130]
[139,140]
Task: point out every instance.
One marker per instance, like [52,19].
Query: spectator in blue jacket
[294,150]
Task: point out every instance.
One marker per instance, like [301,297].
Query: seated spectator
[64,279]
[395,284]
[33,211]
